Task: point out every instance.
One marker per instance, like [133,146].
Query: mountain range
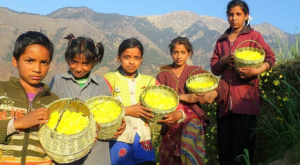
[155,32]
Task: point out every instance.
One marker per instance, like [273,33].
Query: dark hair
[86,46]
[30,38]
[130,43]
[241,4]
[181,41]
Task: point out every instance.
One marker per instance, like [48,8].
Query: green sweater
[21,147]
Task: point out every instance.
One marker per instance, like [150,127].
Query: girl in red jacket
[237,117]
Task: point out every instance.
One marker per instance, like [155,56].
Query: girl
[134,145]
[22,100]
[237,118]
[82,55]
[183,132]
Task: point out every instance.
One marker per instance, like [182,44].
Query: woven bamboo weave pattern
[107,130]
[246,53]
[67,148]
[166,92]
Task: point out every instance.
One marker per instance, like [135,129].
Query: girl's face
[80,67]
[130,59]
[180,54]
[33,66]
[236,18]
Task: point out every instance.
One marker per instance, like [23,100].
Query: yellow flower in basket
[108,112]
[201,83]
[160,99]
[248,56]
[71,122]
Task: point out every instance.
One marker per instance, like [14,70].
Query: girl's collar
[245,30]
[120,69]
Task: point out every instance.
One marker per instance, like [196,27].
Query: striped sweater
[23,147]
[128,90]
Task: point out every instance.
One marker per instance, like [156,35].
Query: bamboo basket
[107,130]
[202,78]
[240,63]
[164,90]
[64,148]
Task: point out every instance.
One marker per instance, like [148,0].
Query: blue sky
[284,14]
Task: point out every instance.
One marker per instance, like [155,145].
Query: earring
[245,19]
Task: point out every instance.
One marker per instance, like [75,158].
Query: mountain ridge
[155,32]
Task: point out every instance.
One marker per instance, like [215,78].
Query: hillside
[155,32]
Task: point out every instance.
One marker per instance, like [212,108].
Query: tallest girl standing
[237,118]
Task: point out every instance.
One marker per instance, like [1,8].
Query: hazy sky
[284,14]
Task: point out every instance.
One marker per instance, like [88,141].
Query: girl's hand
[189,98]
[209,97]
[248,72]
[98,128]
[228,60]
[121,129]
[139,111]
[171,118]
[33,118]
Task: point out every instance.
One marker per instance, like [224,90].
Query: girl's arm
[217,68]
[220,94]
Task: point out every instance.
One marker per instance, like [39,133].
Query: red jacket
[244,93]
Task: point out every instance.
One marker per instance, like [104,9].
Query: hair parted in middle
[130,43]
[86,46]
[242,4]
[181,41]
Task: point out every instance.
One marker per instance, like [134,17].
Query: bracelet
[221,62]
[182,118]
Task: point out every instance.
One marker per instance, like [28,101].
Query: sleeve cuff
[11,127]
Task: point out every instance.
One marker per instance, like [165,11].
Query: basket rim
[202,90]
[249,61]
[104,97]
[155,110]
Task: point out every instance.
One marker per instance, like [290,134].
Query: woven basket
[240,63]
[107,130]
[202,78]
[64,148]
[165,90]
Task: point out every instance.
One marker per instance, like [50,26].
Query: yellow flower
[208,113]
[270,71]
[262,91]
[278,97]
[266,80]
[280,119]
[276,82]
[263,74]
[285,99]
[280,76]
[268,74]
[206,160]
[265,96]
